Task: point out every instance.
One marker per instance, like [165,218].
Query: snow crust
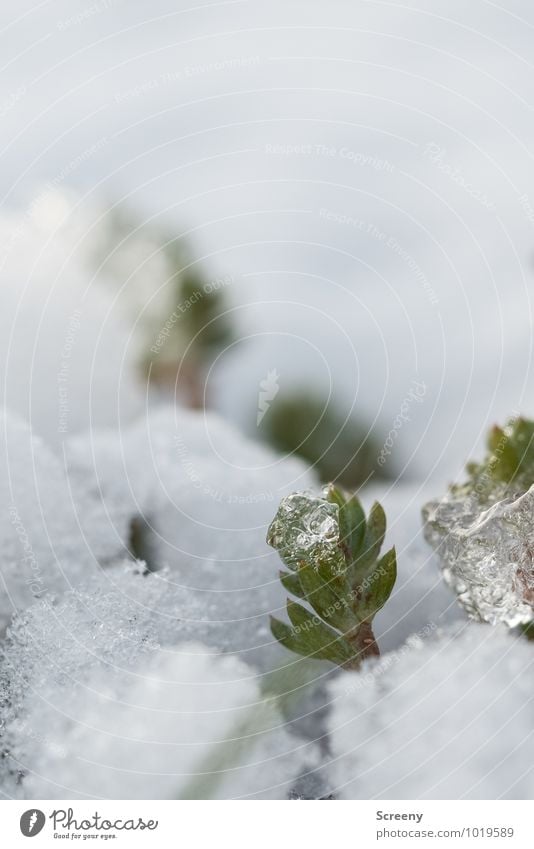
[448,717]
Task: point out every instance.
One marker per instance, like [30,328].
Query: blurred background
[314,218]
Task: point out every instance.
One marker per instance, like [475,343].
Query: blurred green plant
[509,461]
[340,451]
[191,335]
[332,552]
[528,630]
[181,316]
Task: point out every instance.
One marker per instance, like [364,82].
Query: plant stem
[365,645]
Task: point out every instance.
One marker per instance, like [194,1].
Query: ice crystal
[483,529]
[307,529]
[487,555]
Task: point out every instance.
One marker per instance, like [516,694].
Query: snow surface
[92,637]
[94,706]
[102,645]
[202,515]
[189,722]
[448,717]
[53,530]
[205,497]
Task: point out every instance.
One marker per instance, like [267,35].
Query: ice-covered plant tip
[332,553]
[483,530]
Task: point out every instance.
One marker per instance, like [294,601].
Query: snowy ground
[132,680]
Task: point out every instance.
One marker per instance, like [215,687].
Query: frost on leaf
[484,533]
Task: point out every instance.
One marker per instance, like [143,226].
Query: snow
[155,732]
[103,698]
[449,717]
[92,638]
[204,516]
[52,532]
[60,335]
[105,644]
[421,602]
[206,497]
[100,645]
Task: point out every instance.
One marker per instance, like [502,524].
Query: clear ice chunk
[306,529]
[487,553]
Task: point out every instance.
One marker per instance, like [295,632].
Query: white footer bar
[266,825]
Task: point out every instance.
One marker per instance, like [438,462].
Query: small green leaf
[287,637]
[372,543]
[510,460]
[304,619]
[496,437]
[351,520]
[355,518]
[503,461]
[338,584]
[291,583]
[335,495]
[336,650]
[379,586]
[524,445]
[333,606]
[320,638]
